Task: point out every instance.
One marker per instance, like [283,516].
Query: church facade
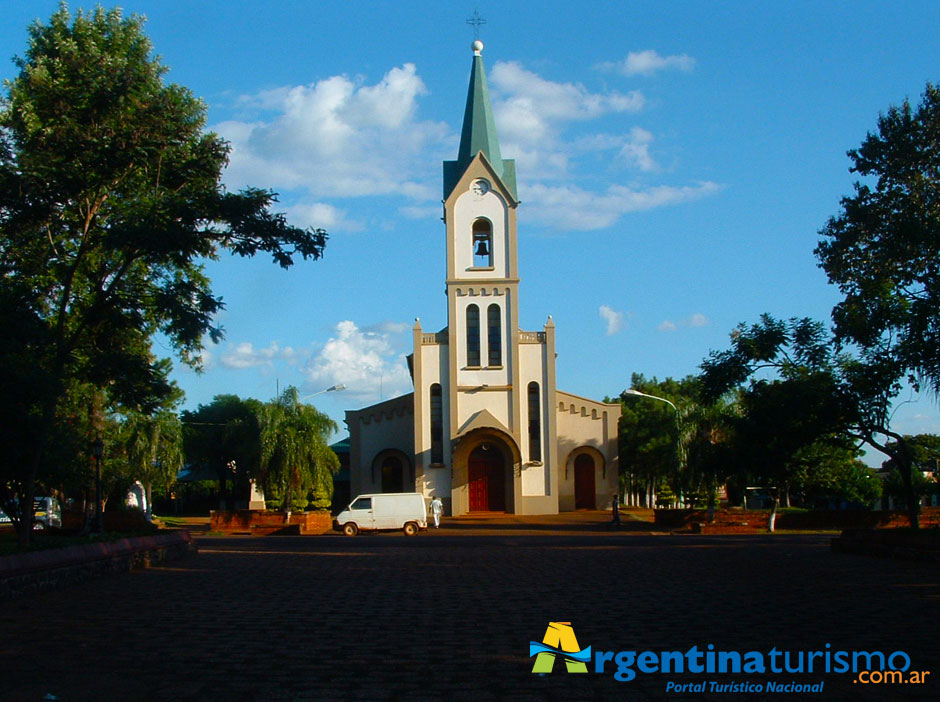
[485,429]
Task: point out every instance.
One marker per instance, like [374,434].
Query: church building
[485,429]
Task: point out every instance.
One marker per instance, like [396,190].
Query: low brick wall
[55,568]
[264,523]
[757,520]
[901,544]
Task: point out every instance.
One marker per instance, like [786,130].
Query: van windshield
[362,503]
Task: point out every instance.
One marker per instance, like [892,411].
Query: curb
[53,569]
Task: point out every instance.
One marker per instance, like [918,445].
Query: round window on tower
[480,187]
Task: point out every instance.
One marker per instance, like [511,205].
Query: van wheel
[410,529]
[350,529]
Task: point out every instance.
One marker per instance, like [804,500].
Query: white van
[390,510]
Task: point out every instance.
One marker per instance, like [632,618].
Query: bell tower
[482,269]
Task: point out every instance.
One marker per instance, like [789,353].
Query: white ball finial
[477,47]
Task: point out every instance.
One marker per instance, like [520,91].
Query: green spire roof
[479,132]
[479,129]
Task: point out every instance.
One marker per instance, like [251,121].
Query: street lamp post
[637,393]
[97,451]
[332,388]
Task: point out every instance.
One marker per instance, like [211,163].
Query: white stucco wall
[591,425]
[469,207]
[386,426]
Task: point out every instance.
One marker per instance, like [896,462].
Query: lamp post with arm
[637,393]
[332,388]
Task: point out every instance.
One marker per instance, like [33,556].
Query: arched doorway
[584,489]
[393,474]
[486,479]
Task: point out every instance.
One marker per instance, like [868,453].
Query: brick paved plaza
[448,615]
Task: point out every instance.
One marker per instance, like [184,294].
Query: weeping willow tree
[297,462]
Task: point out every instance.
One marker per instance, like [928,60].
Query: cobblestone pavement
[448,615]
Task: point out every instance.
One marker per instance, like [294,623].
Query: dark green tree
[649,436]
[882,251]
[792,400]
[223,438]
[110,197]
[925,454]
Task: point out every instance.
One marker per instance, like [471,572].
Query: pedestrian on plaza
[615,509]
[437,507]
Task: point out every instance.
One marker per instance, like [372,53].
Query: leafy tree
[882,248]
[925,455]
[222,435]
[296,458]
[709,447]
[881,251]
[154,449]
[862,389]
[652,435]
[110,197]
[784,415]
[829,470]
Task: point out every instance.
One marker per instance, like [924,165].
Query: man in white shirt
[437,507]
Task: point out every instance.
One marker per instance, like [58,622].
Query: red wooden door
[478,483]
[584,497]
[487,481]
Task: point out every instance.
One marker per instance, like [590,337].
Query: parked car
[47,512]
[385,511]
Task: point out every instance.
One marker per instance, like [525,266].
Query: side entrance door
[584,497]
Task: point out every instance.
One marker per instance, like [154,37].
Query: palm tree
[295,454]
[154,446]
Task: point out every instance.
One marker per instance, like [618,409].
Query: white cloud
[337,137]
[613,318]
[570,207]
[420,212]
[695,320]
[245,355]
[321,215]
[531,113]
[365,361]
[636,150]
[648,62]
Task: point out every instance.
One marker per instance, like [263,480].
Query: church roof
[479,132]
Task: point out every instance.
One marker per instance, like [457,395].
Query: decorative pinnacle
[477,47]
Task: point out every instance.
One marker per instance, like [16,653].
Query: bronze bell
[482,249]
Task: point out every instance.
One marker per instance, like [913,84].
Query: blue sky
[675,162]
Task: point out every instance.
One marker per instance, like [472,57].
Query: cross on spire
[476,21]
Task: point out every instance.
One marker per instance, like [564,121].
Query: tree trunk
[785,493]
[712,498]
[905,468]
[771,523]
[148,491]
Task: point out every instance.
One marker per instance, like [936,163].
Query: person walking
[437,507]
[615,511]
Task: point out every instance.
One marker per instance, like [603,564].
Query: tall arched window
[482,244]
[494,335]
[437,425]
[535,423]
[473,336]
